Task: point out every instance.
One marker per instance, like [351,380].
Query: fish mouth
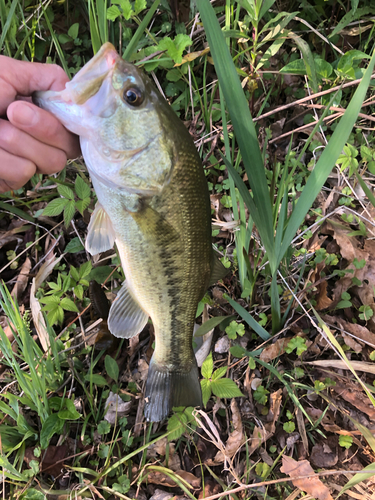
[66,105]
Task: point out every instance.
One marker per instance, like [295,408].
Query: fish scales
[153,203]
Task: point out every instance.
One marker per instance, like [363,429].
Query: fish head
[124,124]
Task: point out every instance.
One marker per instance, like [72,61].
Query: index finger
[22,78]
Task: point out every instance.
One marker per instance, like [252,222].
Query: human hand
[33,140]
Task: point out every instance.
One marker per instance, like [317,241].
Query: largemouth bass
[153,202]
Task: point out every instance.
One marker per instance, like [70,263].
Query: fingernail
[24,116]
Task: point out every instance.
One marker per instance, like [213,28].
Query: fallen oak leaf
[311,485]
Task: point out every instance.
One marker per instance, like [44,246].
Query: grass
[288,245]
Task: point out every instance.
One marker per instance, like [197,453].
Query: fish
[153,203]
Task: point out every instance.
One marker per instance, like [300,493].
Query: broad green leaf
[96,379]
[296,67]
[65,191]
[55,207]
[33,494]
[176,424]
[85,269]
[52,425]
[74,246]
[69,212]
[73,32]
[82,189]
[206,390]
[68,305]
[111,367]
[69,411]
[207,366]
[219,373]
[113,12]
[225,388]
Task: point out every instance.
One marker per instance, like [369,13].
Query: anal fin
[101,235]
[126,317]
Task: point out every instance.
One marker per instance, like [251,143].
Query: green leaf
[96,379]
[69,212]
[52,425]
[237,351]
[78,291]
[101,274]
[68,305]
[219,373]
[209,325]
[73,33]
[69,411]
[260,395]
[175,47]
[111,367]
[50,300]
[74,246]
[139,5]
[289,427]
[55,207]
[206,390]
[32,494]
[113,12]
[65,191]
[296,67]
[345,441]
[208,366]
[296,343]
[85,269]
[82,189]
[104,427]
[246,316]
[177,424]
[81,205]
[234,329]
[225,388]
[343,304]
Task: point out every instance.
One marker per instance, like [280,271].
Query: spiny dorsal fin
[100,236]
[126,317]
[218,271]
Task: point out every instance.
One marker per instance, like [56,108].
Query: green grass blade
[326,162]
[7,23]
[101,8]
[132,47]
[94,29]
[244,128]
[246,316]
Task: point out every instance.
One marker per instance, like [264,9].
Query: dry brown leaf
[311,485]
[9,236]
[354,395]
[274,350]
[36,309]
[325,453]
[22,279]
[322,300]
[235,440]
[194,481]
[350,342]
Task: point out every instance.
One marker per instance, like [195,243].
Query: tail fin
[166,389]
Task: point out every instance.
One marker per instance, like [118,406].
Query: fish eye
[133,96]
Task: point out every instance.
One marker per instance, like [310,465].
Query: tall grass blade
[6,24]
[326,162]
[132,47]
[244,128]
[246,316]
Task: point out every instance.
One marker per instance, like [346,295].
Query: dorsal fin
[218,271]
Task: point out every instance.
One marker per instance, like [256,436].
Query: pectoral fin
[218,271]
[126,317]
[101,235]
